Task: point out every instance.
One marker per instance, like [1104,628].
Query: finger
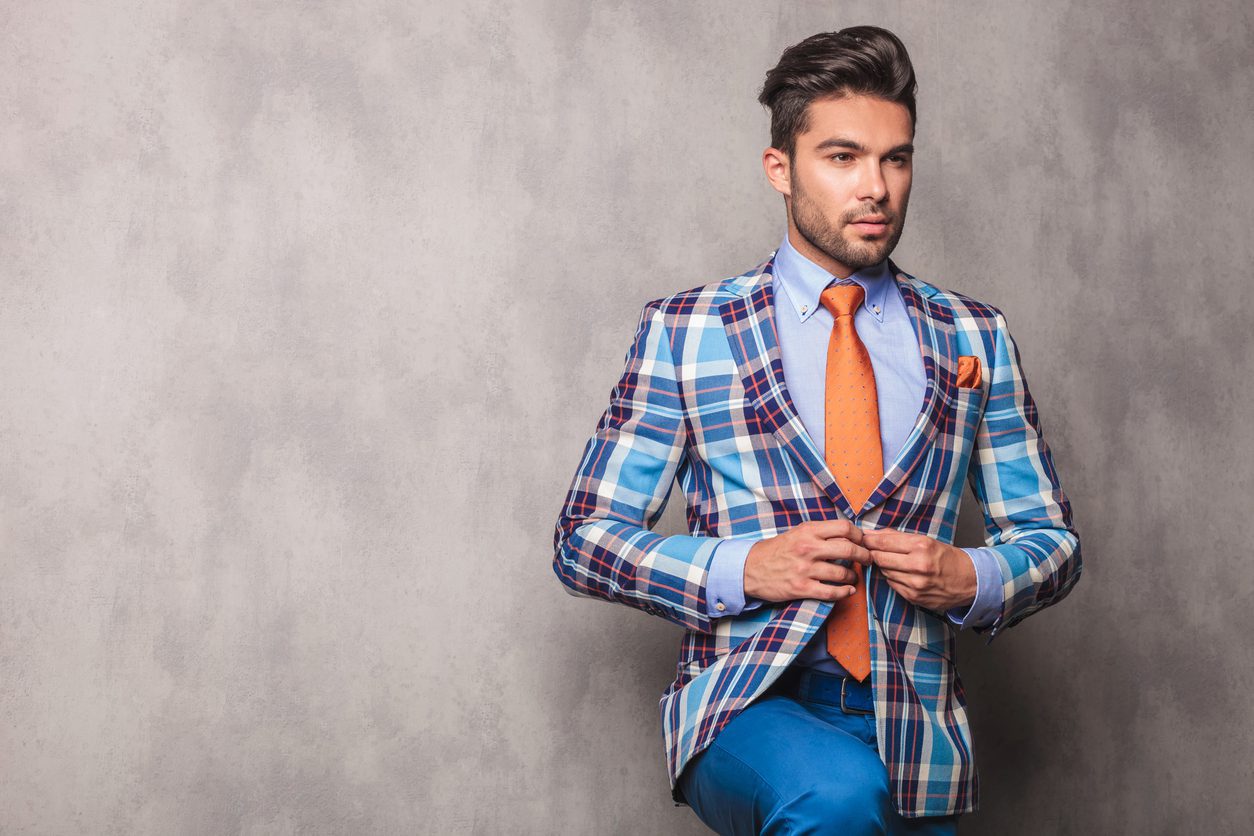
[870,535]
[890,540]
[835,528]
[835,573]
[904,590]
[892,560]
[829,591]
[839,549]
[902,580]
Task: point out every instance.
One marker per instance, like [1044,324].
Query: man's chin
[866,255]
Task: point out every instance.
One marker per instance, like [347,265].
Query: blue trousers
[793,761]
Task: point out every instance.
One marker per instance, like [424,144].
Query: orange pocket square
[968,371]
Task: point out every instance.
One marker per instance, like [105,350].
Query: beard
[854,252]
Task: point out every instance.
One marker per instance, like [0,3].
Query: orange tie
[852,451]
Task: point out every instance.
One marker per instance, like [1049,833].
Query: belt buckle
[844,680]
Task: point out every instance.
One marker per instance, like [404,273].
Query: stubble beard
[818,230]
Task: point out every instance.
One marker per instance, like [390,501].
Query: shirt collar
[804,281]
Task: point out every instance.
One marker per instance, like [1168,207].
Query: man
[821,412]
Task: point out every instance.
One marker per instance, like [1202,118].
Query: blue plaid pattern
[702,400]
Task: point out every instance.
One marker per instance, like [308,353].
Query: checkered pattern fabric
[702,400]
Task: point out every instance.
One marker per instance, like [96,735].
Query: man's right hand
[796,564]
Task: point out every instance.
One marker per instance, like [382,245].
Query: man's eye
[834,156]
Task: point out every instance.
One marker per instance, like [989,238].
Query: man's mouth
[871,225]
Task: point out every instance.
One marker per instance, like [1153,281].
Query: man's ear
[775,164]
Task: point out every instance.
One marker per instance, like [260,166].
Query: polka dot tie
[852,451]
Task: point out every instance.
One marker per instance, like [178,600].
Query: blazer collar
[748,319]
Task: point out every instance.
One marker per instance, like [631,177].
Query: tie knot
[842,299]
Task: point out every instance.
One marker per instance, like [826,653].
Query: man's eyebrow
[843,142]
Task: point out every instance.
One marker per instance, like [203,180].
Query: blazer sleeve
[603,544]
[1027,517]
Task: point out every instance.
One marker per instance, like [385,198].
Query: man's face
[854,162]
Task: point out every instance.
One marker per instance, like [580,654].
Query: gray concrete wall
[307,310]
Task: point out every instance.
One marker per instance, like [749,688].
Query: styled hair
[865,60]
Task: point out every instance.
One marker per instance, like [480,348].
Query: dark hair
[865,60]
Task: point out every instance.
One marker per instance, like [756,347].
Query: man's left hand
[922,569]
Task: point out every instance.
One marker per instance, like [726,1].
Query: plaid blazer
[702,400]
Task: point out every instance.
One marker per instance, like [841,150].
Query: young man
[821,413]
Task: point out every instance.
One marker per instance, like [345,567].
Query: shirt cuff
[725,583]
[988,597]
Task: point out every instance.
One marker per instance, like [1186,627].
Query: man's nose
[871,185]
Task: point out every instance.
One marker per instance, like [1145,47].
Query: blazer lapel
[748,319]
[934,327]
[749,322]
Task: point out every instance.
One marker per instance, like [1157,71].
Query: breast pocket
[967,408]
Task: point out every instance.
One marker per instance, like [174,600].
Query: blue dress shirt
[805,327]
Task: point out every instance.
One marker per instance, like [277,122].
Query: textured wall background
[308,308]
